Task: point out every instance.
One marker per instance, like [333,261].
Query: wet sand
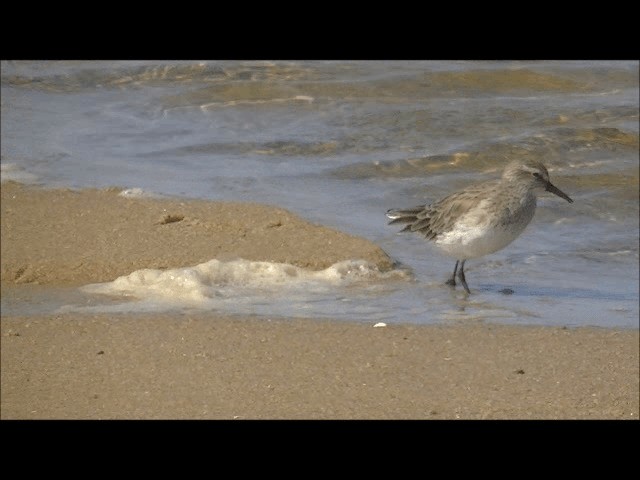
[222,367]
[67,237]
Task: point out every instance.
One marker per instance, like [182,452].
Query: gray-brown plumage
[482,218]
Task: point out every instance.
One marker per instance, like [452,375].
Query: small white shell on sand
[380,324]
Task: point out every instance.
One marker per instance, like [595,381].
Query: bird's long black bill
[553,189]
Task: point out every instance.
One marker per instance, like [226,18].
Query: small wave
[75,76]
[550,147]
[233,103]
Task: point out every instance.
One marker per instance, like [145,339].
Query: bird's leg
[461,277]
[452,280]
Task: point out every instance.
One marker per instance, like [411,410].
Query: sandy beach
[213,366]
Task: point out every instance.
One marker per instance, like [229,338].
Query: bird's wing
[442,216]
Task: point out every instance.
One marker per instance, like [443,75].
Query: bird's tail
[404,216]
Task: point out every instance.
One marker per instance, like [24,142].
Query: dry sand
[221,367]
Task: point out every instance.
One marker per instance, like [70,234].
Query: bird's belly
[471,242]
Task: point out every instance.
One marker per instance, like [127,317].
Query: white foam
[13,172]
[138,193]
[215,283]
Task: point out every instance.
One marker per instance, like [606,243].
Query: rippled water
[341,142]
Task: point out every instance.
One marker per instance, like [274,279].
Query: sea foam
[239,280]
[14,172]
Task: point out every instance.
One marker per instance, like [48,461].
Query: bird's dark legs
[452,280]
[461,277]
[460,274]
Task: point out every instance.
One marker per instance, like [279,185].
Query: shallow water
[339,143]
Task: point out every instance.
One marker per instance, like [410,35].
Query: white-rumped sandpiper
[482,218]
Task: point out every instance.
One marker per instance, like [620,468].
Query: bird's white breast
[477,233]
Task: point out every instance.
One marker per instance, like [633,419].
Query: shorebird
[482,218]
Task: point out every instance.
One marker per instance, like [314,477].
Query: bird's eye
[537,175]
